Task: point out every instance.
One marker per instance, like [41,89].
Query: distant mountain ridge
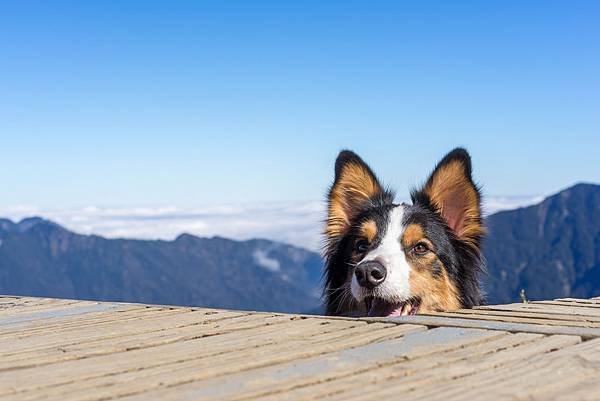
[41,258]
[550,250]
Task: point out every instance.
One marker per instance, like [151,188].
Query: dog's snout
[370,274]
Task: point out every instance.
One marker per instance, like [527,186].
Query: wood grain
[72,350]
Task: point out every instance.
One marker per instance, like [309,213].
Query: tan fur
[449,188]
[436,294]
[412,234]
[369,230]
[354,186]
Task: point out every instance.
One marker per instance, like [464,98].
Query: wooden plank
[29,300]
[73,322]
[9,297]
[143,339]
[524,379]
[6,305]
[141,352]
[540,383]
[540,318]
[287,344]
[361,381]
[25,297]
[6,302]
[593,301]
[436,321]
[547,308]
[493,365]
[69,310]
[573,304]
[202,369]
[584,390]
[284,377]
[203,347]
[40,305]
[516,317]
[110,331]
[424,381]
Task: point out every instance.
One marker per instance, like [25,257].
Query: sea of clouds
[297,223]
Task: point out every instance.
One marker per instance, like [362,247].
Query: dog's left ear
[451,192]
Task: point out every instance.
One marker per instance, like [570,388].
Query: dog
[384,259]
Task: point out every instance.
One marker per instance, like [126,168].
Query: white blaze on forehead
[391,255]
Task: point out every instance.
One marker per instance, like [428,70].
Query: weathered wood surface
[54,349]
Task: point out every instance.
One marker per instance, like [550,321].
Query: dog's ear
[450,191]
[354,188]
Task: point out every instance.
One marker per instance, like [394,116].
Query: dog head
[388,259]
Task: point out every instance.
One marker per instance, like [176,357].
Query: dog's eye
[421,248]
[361,246]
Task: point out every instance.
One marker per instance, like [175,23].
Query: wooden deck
[79,350]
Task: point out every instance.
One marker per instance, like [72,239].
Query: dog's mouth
[378,307]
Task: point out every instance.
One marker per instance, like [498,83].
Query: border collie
[389,259]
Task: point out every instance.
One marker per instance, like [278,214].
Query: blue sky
[190,103]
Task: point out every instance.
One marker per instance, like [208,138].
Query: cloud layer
[297,223]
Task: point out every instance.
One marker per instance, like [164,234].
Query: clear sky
[201,102]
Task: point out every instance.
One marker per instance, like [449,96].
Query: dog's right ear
[354,187]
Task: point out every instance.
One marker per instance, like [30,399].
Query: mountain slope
[551,249]
[40,258]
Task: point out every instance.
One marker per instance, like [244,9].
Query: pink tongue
[380,308]
[396,312]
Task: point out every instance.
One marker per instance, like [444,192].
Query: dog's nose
[370,274]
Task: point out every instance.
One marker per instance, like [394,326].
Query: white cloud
[497,203]
[263,260]
[297,223]
[291,222]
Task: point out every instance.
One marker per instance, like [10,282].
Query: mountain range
[551,249]
[41,258]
